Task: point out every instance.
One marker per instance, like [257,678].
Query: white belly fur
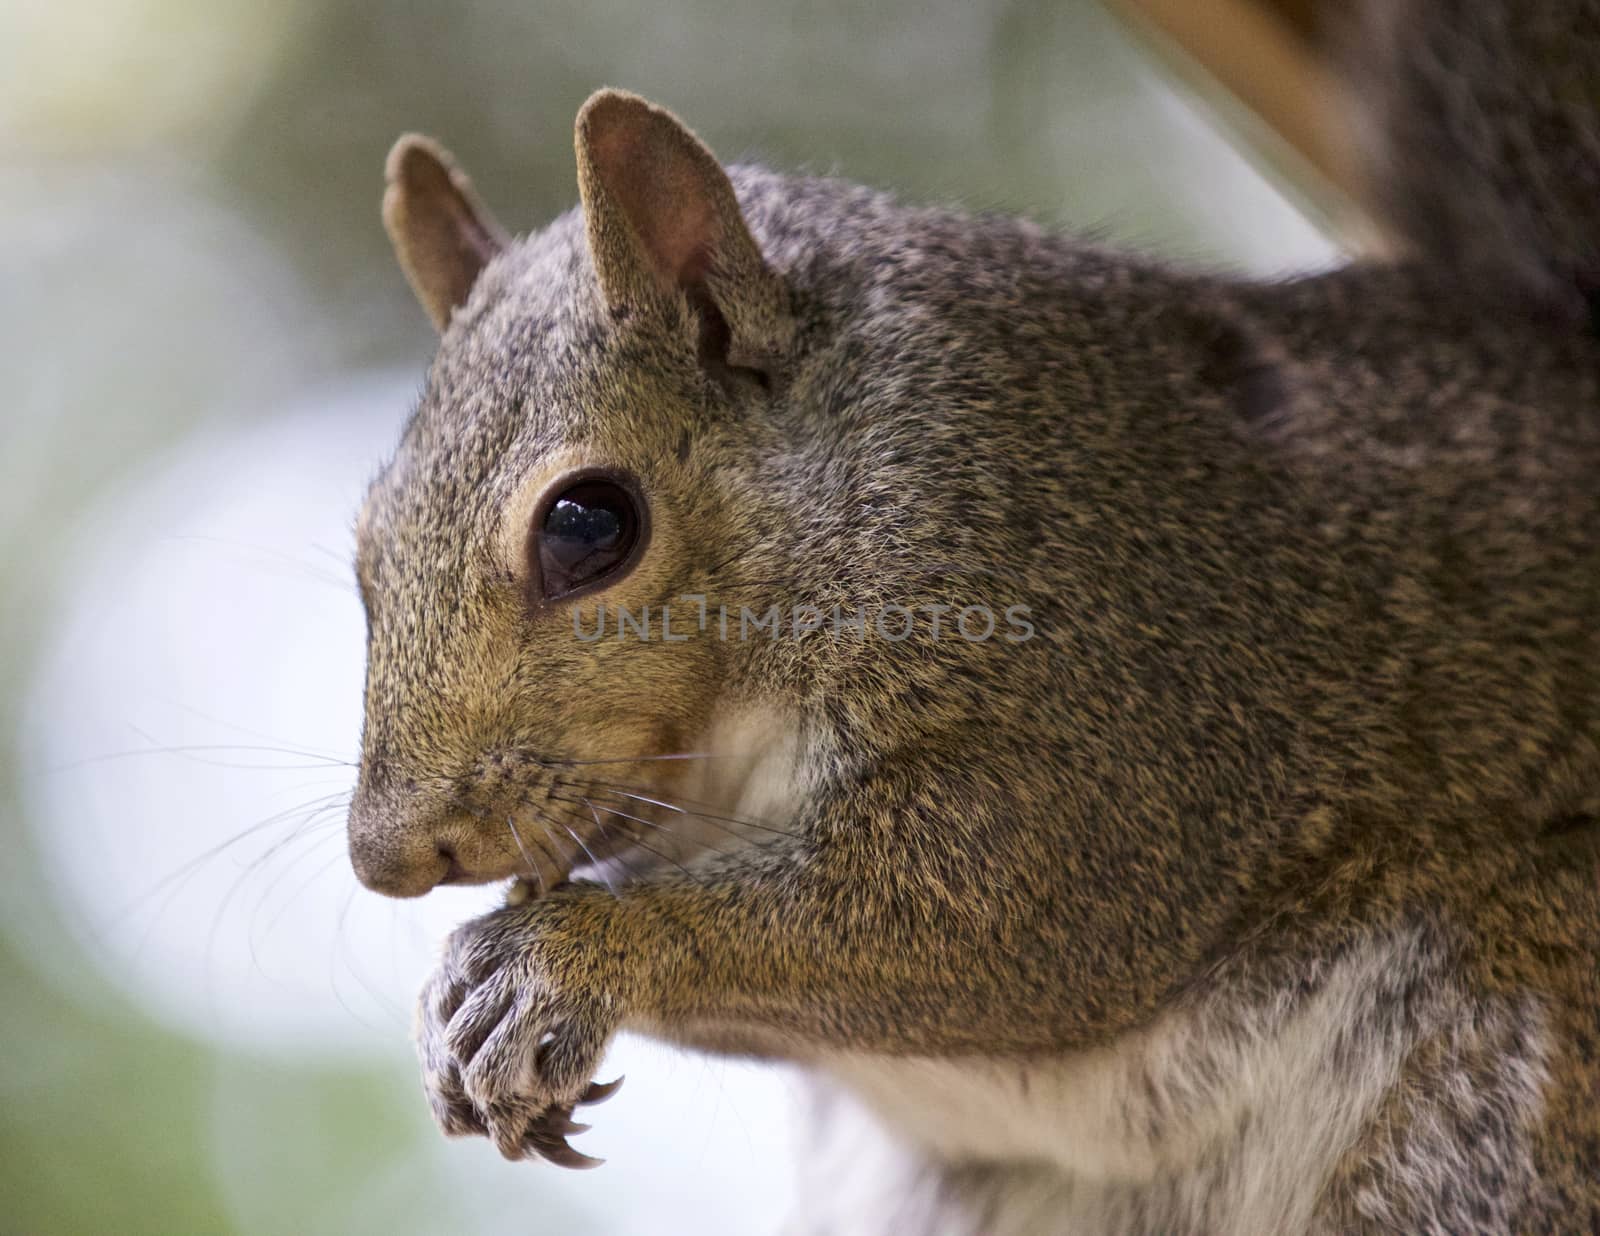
[1213,1119]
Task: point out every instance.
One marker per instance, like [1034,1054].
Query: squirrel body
[1258,889]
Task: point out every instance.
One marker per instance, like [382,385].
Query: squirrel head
[581,441]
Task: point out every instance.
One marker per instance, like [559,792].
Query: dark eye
[589,532]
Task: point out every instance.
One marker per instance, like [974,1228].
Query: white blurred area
[192,409]
[211,662]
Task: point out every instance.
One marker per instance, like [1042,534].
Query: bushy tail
[1482,133]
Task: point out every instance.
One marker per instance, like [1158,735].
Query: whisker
[310,828]
[342,951]
[277,748]
[635,759]
[233,891]
[317,836]
[297,748]
[626,791]
[634,838]
[188,868]
[601,828]
[196,755]
[258,937]
[597,791]
[526,857]
[598,865]
[338,556]
[612,811]
[322,817]
[556,860]
[316,573]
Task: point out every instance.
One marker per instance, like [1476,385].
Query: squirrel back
[1481,127]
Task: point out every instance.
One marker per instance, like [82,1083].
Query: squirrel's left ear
[442,234]
[664,226]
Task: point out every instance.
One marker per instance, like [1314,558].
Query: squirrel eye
[589,531]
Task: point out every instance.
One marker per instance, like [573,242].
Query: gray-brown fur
[1481,122]
[1315,569]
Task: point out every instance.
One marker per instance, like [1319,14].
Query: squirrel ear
[441,232]
[662,220]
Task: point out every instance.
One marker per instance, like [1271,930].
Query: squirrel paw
[509,1039]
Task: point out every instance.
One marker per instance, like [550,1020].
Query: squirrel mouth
[613,837]
[455,873]
[592,837]
[614,825]
[625,843]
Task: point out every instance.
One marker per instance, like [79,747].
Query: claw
[599,1092]
[564,1155]
[547,1144]
[548,1135]
[559,1122]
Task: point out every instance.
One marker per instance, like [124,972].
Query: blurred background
[207,351]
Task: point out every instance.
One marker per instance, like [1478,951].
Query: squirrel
[1248,881]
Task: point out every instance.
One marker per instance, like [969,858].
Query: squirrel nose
[394,851]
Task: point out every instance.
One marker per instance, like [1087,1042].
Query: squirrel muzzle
[407,844]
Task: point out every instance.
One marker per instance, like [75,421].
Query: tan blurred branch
[1265,53]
